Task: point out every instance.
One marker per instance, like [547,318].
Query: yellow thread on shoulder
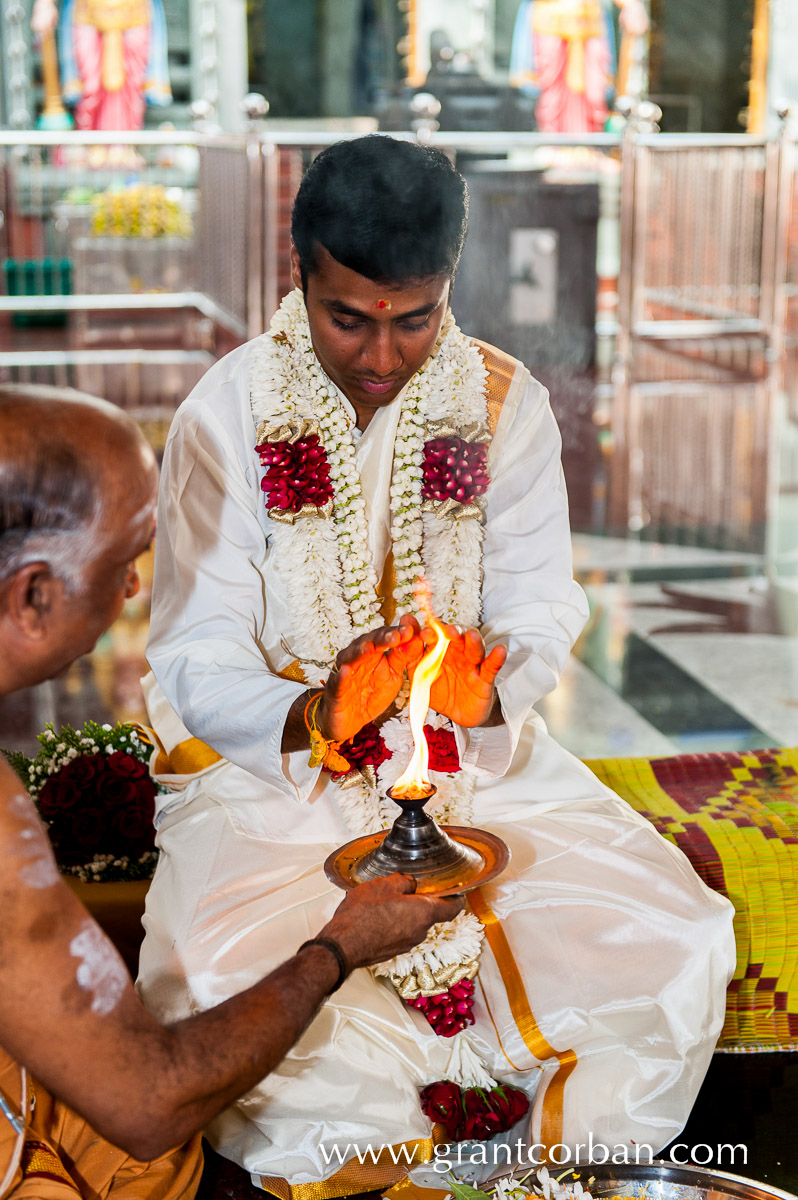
[501,370]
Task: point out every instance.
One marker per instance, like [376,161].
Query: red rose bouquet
[94,793]
[473,1114]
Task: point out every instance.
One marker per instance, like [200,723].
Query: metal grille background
[696,378]
[222,227]
[699,222]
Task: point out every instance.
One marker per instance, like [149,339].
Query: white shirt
[219,618]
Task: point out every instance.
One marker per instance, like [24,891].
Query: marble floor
[685,650]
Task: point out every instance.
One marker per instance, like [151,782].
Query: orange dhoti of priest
[48,1152]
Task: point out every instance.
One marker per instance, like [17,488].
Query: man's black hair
[393,211]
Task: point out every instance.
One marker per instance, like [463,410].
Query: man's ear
[31,597]
[296,271]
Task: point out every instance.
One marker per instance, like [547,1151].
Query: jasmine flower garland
[321,549]
[304,439]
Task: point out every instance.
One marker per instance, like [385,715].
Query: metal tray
[494,857]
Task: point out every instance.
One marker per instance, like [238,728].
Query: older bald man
[78,1052]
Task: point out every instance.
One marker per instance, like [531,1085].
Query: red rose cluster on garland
[474,1114]
[99,804]
[448,1012]
[366,749]
[297,473]
[454,469]
[443,754]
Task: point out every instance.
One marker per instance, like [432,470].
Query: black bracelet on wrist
[338,955]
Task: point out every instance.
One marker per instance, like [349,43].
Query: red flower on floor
[99,804]
[297,473]
[454,469]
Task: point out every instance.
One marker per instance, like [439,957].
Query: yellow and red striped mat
[735,816]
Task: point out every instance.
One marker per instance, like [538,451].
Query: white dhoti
[623,954]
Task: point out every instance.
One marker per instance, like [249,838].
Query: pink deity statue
[112,56]
[564,53]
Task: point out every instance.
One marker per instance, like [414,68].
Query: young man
[78,485]
[310,480]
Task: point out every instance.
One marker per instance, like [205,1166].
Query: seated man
[77,496]
[310,480]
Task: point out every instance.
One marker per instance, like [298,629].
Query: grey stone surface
[591,720]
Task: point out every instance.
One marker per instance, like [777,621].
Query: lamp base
[416,846]
[443,861]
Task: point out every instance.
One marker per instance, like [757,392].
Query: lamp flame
[414,782]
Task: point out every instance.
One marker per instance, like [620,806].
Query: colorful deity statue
[112,56]
[563,52]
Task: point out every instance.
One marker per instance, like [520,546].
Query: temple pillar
[219,58]
[782,72]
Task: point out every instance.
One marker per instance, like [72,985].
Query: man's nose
[382,354]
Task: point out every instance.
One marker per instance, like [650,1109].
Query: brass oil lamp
[443,861]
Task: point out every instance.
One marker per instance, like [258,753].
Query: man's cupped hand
[367,678]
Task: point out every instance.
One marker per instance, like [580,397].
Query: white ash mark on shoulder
[21,806]
[100,970]
[30,844]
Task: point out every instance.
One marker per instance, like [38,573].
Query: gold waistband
[357,1177]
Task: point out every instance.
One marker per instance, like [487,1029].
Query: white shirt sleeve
[209,631]
[531,603]
[209,608]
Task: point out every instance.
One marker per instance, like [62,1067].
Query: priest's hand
[465,689]
[367,677]
[384,917]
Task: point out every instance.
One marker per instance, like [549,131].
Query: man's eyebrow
[347,310]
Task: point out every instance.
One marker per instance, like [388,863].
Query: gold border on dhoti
[356,1177]
[552,1116]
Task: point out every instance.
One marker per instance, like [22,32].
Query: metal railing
[136,318]
[700,370]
